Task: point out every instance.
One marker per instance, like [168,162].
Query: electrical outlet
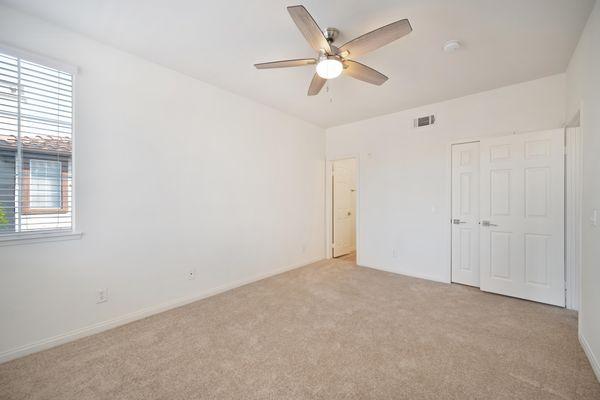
[102,296]
[395,253]
[191,274]
[304,248]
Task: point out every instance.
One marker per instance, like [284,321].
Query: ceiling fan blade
[309,28]
[362,72]
[377,38]
[316,85]
[286,63]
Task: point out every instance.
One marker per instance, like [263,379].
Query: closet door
[465,213]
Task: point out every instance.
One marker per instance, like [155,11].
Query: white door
[344,213]
[465,213]
[522,216]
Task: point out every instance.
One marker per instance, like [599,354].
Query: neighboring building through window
[36,128]
[44,185]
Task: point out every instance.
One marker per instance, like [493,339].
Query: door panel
[537,191]
[522,197]
[500,189]
[344,204]
[465,213]
[466,240]
[536,258]
[500,263]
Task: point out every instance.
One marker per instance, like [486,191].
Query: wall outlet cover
[191,274]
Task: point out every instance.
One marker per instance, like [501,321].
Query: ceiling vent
[424,121]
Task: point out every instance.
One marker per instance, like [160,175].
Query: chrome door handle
[486,223]
[457,221]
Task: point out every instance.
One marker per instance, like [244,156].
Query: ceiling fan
[332,60]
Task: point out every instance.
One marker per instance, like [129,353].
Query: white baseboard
[54,341]
[590,355]
[407,273]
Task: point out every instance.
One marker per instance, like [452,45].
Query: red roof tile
[40,144]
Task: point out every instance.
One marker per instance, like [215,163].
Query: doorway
[343,214]
[508,215]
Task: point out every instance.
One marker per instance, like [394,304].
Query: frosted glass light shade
[329,68]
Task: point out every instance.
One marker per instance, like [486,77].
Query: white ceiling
[505,42]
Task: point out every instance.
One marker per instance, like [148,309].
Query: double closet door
[508,215]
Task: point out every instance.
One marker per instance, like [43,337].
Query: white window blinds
[36,131]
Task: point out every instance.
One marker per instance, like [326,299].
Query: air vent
[424,121]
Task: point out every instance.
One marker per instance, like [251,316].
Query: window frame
[51,234]
[64,187]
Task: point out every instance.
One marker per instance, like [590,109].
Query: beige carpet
[330,330]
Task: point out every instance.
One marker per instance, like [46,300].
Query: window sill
[27,238]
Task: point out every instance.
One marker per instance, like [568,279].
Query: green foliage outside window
[3,219]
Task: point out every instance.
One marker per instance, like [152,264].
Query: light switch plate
[102,296]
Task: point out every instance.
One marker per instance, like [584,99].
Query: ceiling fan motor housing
[331,34]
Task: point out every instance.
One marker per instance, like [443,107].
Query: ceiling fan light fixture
[329,67]
[333,60]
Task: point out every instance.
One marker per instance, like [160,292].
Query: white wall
[171,173]
[583,94]
[404,172]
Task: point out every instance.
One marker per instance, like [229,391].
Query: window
[36,130]
[46,187]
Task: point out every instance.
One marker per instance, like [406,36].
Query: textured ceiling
[505,42]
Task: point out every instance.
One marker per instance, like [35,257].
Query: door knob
[457,221]
[349,213]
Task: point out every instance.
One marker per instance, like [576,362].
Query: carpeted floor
[330,330]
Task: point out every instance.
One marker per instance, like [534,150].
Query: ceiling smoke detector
[451,46]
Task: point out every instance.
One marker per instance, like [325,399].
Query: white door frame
[329,204]
[572,274]
[573,213]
